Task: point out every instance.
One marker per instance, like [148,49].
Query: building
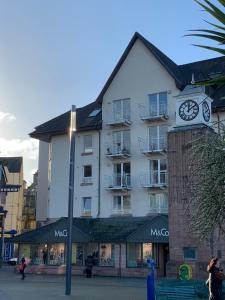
[14,200]
[29,209]
[122,158]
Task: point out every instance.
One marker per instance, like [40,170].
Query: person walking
[22,268]
[89,265]
[216,277]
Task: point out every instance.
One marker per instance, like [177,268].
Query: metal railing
[154,179]
[118,182]
[87,180]
[147,113]
[157,144]
[118,149]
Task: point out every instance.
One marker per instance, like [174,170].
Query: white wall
[59,179]
[140,75]
[42,188]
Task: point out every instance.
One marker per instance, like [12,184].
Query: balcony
[154,180]
[121,212]
[118,183]
[118,151]
[154,146]
[87,181]
[119,122]
[152,115]
[158,210]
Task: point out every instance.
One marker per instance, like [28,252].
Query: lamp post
[70,201]
[2,217]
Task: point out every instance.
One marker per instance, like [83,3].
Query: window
[121,204]
[87,174]
[190,253]
[77,254]
[158,171]
[138,254]
[107,255]
[87,205]
[158,137]
[56,254]
[95,112]
[121,175]
[121,110]
[88,144]
[121,141]
[158,104]
[159,203]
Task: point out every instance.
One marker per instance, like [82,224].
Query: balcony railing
[151,115]
[121,211]
[155,145]
[158,210]
[122,121]
[155,179]
[118,182]
[87,180]
[118,151]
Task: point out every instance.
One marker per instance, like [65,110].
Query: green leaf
[218,13]
[221,34]
[222,2]
[215,25]
[211,37]
[219,81]
[220,17]
[219,50]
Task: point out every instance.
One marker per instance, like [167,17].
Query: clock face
[206,111]
[188,110]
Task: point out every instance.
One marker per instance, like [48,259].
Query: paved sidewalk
[48,287]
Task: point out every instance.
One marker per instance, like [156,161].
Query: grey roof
[191,89]
[113,230]
[13,164]
[60,125]
[182,75]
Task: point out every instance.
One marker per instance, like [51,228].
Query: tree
[216,34]
[207,183]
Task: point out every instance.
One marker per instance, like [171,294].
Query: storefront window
[56,254]
[147,253]
[138,254]
[106,255]
[93,250]
[77,254]
[24,251]
[39,254]
[134,255]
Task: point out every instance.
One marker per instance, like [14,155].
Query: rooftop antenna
[193,78]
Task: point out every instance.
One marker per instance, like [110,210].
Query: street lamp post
[70,201]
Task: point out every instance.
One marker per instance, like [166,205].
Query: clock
[206,111]
[188,110]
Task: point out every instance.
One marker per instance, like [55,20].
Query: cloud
[4,116]
[17,147]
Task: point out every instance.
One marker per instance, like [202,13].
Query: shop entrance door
[165,257]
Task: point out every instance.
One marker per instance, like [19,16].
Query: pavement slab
[52,287]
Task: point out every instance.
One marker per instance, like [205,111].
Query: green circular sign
[185,272]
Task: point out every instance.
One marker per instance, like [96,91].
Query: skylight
[95,112]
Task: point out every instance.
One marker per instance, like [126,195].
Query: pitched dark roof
[60,124]
[167,63]
[182,74]
[100,230]
[13,164]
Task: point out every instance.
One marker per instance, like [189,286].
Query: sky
[55,53]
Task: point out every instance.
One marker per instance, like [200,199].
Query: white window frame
[88,149]
[160,199]
[86,211]
[158,172]
[87,179]
[122,114]
[122,210]
[158,142]
[159,111]
[122,145]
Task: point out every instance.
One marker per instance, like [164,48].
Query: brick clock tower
[193,116]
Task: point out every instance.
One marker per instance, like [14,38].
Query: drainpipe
[120,273]
[99,172]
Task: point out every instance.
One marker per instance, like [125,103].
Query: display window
[56,254]
[24,251]
[39,254]
[106,255]
[77,254]
[138,254]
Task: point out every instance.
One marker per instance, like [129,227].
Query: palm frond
[219,50]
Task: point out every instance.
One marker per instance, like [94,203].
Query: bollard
[151,280]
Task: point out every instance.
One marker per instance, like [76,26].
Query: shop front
[118,246]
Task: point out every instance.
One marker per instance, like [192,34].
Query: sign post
[70,201]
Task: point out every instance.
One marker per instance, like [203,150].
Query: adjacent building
[121,166]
